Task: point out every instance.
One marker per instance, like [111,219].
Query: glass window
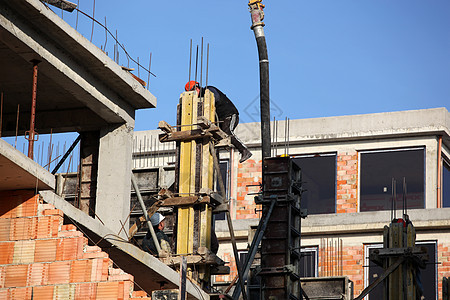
[446,184]
[428,275]
[377,171]
[319,181]
[308,263]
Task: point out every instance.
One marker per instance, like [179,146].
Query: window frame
[445,161]
[315,250]
[393,149]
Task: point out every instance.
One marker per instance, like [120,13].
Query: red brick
[95,255]
[37,274]
[43,292]
[4,294]
[80,271]
[68,227]
[53,212]
[121,277]
[68,249]
[108,290]
[22,228]
[139,294]
[24,252]
[6,253]
[70,234]
[59,272]
[97,269]
[2,277]
[89,249]
[44,227]
[17,204]
[86,291]
[16,275]
[46,206]
[5,226]
[21,293]
[45,250]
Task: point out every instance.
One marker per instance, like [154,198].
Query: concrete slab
[18,172]
[79,86]
[149,273]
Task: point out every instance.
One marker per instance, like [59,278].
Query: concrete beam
[147,270]
[114,177]
[17,171]
[435,121]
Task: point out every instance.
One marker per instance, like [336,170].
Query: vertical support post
[31,132]
[183,271]
[112,203]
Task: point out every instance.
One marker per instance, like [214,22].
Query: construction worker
[157,221]
[227,114]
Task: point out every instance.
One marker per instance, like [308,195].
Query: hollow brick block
[43,292]
[16,275]
[59,272]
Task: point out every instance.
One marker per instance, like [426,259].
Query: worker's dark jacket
[224,106]
[147,242]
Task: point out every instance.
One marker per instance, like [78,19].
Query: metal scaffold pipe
[144,210]
[257,15]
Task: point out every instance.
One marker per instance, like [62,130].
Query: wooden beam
[184,201]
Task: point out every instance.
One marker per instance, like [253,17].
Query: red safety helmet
[191,85]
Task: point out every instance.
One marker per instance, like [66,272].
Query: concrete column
[114,176]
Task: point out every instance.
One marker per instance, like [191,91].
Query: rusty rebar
[93,18]
[32,132]
[17,125]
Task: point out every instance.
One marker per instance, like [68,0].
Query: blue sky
[327,57]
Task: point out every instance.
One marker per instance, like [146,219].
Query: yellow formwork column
[195,173]
[185,214]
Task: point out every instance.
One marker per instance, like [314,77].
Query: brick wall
[346,182]
[249,173]
[443,258]
[40,258]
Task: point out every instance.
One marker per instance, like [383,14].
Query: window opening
[378,168]
[319,181]
[308,263]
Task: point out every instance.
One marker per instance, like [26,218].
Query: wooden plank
[184,201]
[204,259]
[164,126]
[184,136]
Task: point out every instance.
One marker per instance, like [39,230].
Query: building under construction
[325,209]
[348,165]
